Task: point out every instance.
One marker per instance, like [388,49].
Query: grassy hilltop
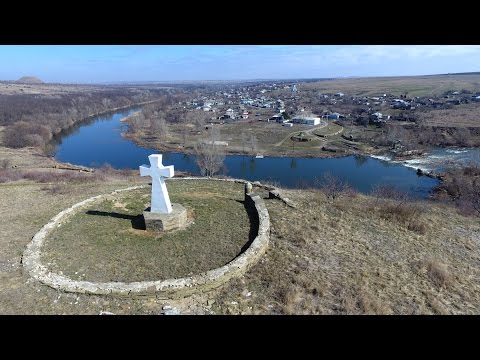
[355,255]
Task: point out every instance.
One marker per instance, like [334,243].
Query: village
[282,100]
[296,118]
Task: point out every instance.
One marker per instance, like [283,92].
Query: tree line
[33,119]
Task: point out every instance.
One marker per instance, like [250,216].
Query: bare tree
[197,118]
[332,186]
[469,195]
[159,127]
[253,143]
[385,192]
[475,196]
[210,155]
[4,163]
[243,138]
[185,132]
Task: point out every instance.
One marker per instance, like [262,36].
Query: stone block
[177,219]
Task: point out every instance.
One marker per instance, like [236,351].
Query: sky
[115,63]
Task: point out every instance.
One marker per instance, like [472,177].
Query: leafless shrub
[58,177]
[271,183]
[396,205]
[438,272]
[253,144]
[158,125]
[56,189]
[23,134]
[384,192]
[4,163]
[369,304]
[310,285]
[471,170]
[350,192]
[289,295]
[417,226]
[347,301]
[332,186]
[210,157]
[405,213]
[471,196]
[7,175]
[305,185]
[436,305]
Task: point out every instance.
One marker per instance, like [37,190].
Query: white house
[307,120]
[312,121]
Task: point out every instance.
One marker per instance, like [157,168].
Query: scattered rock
[210,302]
[169,310]
[106,313]
[248,188]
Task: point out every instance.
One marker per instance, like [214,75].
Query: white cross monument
[160,199]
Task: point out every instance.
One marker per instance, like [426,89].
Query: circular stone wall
[170,288]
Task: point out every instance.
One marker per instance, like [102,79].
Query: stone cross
[160,200]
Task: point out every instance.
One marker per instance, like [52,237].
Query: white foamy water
[451,151]
[439,159]
[379,157]
[422,164]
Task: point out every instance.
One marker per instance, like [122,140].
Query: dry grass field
[412,85]
[461,116]
[8,88]
[353,256]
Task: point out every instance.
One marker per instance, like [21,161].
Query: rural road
[309,131]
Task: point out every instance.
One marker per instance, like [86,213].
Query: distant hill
[29,80]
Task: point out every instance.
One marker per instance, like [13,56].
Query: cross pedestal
[161,215]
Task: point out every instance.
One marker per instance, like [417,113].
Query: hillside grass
[346,257]
[107,240]
[350,257]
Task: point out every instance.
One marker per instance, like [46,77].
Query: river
[99,141]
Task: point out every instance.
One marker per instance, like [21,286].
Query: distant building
[216,143]
[377,117]
[333,116]
[278,118]
[307,120]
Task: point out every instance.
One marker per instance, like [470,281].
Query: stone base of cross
[160,199]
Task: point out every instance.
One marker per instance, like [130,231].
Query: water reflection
[98,141]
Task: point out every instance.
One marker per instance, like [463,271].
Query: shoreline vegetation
[176,148]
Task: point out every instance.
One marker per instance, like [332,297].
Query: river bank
[299,152]
[104,141]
